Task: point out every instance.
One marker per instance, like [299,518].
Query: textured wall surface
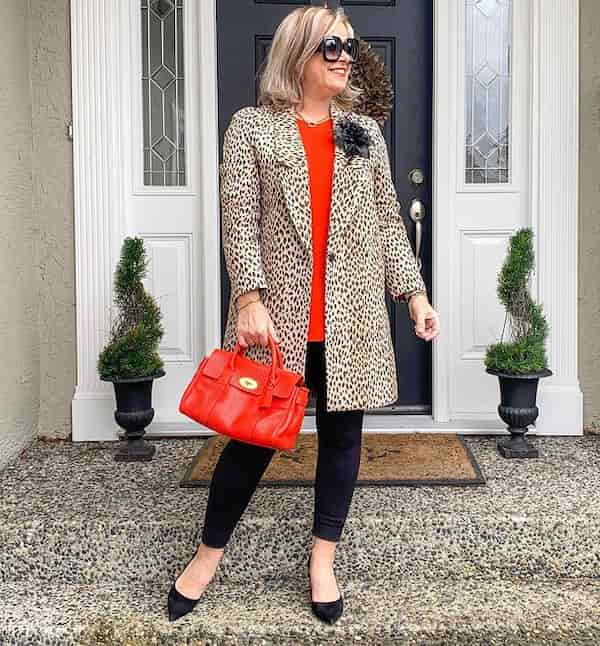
[589,213]
[37,316]
[50,70]
[19,330]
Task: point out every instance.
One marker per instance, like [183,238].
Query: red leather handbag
[246,399]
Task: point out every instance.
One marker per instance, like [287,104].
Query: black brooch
[352,137]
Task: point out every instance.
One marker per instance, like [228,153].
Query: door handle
[417,214]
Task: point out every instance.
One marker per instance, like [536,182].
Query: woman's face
[328,78]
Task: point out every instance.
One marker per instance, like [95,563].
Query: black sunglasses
[332,47]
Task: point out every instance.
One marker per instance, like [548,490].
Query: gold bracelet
[248,303]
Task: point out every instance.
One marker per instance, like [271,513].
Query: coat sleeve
[402,275]
[240,207]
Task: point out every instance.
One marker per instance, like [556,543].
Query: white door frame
[102,99]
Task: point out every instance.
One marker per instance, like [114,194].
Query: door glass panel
[488,44]
[163,92]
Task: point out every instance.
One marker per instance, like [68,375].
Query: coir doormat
[387,459]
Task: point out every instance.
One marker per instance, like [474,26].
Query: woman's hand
[254,323]
[426,319]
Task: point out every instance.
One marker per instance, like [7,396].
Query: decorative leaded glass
[488,43]
[163,92]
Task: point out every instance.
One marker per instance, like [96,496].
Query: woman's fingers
[430,328]
[255,325]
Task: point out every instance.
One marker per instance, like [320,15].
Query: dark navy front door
[401,33]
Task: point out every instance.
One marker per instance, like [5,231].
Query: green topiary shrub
[526,352]
[132,350]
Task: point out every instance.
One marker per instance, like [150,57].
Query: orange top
[320,152]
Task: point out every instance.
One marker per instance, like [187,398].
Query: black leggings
[241,466]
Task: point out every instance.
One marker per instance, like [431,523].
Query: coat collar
[291,158]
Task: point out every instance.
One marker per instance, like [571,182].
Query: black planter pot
[133,413]
[517,408]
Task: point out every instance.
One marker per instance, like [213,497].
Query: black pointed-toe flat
[178,604]
[327,611]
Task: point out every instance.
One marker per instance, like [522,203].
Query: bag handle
[276,357]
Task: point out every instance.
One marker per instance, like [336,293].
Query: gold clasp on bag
[248,382]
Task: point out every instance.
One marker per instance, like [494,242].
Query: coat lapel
[290,155]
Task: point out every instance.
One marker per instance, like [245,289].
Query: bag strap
[278,351]
[277,359]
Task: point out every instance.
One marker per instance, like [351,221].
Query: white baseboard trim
[96,417]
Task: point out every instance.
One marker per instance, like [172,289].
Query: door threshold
[372,423]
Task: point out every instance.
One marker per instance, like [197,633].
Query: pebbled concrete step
[71,514]
[385,548]
[507,611]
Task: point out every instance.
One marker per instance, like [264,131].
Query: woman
[313,236]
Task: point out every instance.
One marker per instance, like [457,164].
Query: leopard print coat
[267,243]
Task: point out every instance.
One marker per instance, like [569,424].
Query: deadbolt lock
[416,177]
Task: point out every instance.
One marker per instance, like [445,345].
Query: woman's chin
[337,88]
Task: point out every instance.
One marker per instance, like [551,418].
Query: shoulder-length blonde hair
[294,42]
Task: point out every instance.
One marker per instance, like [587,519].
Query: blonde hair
[294,42]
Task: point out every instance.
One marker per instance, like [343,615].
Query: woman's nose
[345,57]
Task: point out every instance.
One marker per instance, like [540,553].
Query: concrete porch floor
[86,539]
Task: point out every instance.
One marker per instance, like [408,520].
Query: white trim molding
[554,164]
[104,96]
[96,48]
[549,184]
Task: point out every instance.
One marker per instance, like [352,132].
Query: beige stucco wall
[589,213]
[37,314]
[19,331]
[50,57]
[37,317]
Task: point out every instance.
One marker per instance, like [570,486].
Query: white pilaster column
[98,115]
[554,205]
